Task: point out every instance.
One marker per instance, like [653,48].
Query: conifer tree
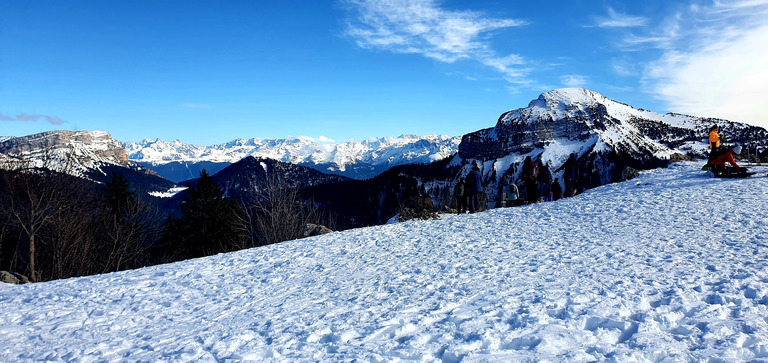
[126,226]
[118,196]
[211,223]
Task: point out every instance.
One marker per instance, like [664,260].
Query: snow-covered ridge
[570,102]
[67,151]
[609,139]
[628,272]
[577,115]
[376,151]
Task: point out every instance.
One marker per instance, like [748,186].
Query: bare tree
[277,213]
[129,226]
[72,239]
[35,191]
[129,236]
[31,195]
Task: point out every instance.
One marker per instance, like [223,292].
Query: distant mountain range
[608,139]
[178,161]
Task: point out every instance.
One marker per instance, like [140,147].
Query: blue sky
[207,72]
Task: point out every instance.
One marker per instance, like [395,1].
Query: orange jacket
[714,138]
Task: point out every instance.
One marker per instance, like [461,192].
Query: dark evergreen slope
[359,203]
[250,175]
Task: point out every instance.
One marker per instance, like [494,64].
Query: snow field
[667,267]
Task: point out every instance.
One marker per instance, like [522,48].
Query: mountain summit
[610,140]
[588,122]
[562,103]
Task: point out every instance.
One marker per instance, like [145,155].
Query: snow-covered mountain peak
[566,103]
[79,153]
[568,96]
[579,104]
[362,159]
[567,116]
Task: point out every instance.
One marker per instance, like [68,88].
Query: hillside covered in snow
[670,266]
[63,149]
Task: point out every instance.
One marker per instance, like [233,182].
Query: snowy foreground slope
[670,266]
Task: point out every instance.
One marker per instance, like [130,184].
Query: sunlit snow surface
[669,266]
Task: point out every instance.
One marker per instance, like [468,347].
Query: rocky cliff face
[608,138]
[588,120]
[85,146]
[91,155]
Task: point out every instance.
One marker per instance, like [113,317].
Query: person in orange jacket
[714,144]
[714,138]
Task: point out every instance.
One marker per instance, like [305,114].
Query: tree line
[54,225]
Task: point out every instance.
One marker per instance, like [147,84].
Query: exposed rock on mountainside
[92,155]
[606,136]
[13,278]
[85,147]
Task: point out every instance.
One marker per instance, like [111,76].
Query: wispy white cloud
[714,62]
[573,80]
[666,36]
[510,66]
[423,27]
[619,20]
[325,139]
[321,139]
[624,68]
[53,120]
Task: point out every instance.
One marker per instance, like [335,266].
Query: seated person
[726,156]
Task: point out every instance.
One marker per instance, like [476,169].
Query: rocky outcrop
[97,145]
[311,230]
[511,137]
[90,155]
[13,278]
